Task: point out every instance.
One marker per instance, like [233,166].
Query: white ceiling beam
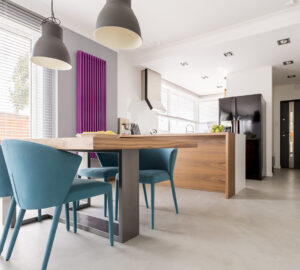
[285,18]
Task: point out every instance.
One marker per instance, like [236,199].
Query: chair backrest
[5,186]
[158,159]
[108,159]
[41,176]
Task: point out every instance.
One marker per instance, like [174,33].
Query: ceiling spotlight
[220,86]
[291,76]
[204,77]
[290,2]
[184,64]
[283,41]
[286,63]
[228,54]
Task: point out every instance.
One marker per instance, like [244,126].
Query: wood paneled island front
[216,164]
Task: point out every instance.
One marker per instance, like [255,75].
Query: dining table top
[114,142]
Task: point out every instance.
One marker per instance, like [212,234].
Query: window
[187,112]
[208,114]
[181,110]
[27,92]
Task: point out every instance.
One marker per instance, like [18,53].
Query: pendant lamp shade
[117,26]
[50,51]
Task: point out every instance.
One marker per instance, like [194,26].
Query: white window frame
[11,26]
[171,88]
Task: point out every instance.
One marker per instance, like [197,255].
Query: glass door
[291,133]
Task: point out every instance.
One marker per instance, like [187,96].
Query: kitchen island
[217,164]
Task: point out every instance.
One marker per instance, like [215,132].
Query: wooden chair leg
[51,236]
[145,195]
[15,233]
[9,217]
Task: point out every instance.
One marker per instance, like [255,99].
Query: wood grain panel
[113,143]
[230,165]
[210,166]
[202,167]
[204,161]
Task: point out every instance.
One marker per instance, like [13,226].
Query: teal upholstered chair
[42,177]
[6,191]
[156,165]
[109,168]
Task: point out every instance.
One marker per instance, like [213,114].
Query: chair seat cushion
[149,176]
[152,176]
[85,188]
[102,172]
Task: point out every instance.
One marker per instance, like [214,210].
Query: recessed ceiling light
[228,54]
[204,77]
[291,76]
[220,86]
[286,63]
[184,64]
[283,41]
[290,2]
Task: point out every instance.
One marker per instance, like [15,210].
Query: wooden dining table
[127,227]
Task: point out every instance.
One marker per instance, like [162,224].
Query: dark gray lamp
[50,51]
[117,26]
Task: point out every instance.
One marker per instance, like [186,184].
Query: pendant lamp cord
[52,12]
[52,18]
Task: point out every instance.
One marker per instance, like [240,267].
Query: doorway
[290,134]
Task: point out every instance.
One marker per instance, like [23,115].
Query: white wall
[66,81]
[256,81]
[280,93]
[130,104]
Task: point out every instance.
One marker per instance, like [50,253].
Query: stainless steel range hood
[151,90]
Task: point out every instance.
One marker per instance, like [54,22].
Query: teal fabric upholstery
[103,172]
[42,177]
[156,176]
[149,176]
[156,165]
[6,191]
[158,159]
[110,167]
[108,159]
[82,189]
[5,186]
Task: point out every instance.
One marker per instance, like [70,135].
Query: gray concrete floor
[258,229]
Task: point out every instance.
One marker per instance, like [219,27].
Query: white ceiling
[167,23]
[250,52]
[162,21]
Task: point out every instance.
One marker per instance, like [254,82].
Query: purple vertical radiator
[91,93]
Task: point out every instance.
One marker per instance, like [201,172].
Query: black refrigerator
[246,115]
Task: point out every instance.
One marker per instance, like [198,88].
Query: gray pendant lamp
[50,51]
[117,27]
